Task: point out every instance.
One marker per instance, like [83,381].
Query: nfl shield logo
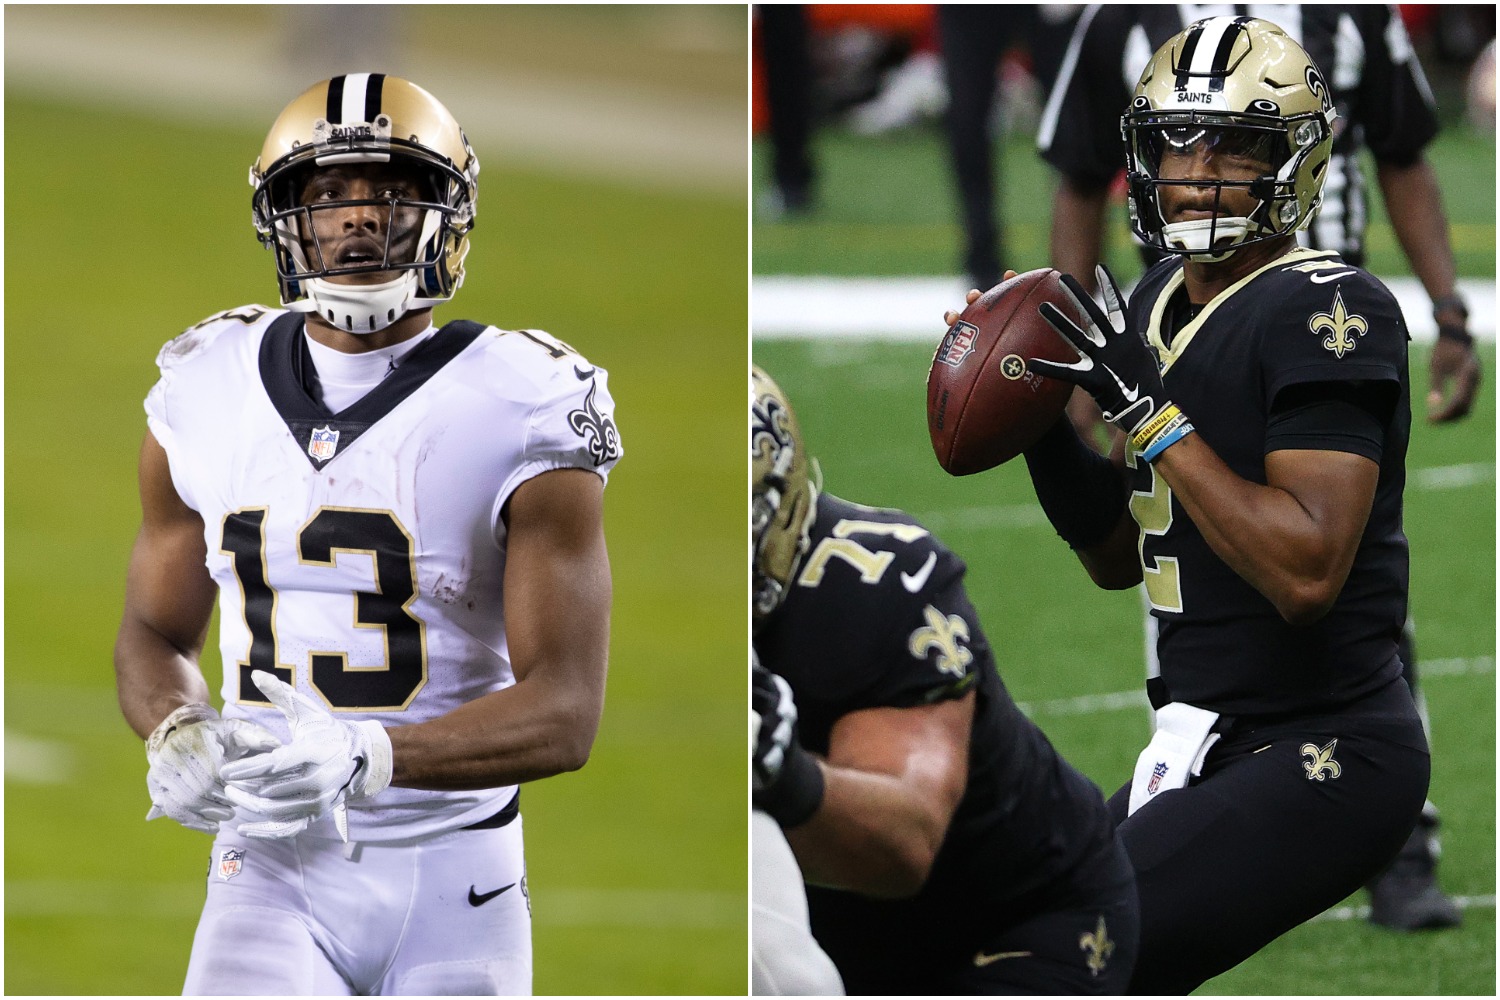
[325,441]
[1157,773]
[958,344]
[231,863]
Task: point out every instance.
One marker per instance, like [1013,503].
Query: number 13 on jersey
[389,687]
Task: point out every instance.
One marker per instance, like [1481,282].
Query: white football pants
[449,914]
[785,958]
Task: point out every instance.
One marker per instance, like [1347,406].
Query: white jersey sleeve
[572,423]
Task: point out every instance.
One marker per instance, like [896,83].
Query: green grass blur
[120,232]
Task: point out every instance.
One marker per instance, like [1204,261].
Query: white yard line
[818,307]
[197,73]
[1363,912]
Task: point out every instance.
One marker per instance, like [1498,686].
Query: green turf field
[122,231]
[885,209]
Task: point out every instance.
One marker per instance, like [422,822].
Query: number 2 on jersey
[332,530]
[1152,511]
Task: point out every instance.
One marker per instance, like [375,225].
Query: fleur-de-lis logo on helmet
[783,498]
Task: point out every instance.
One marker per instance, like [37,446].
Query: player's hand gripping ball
[983,406]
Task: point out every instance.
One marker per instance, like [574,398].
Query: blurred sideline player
[1383,104]
[1263,390]
[390,514]
[947,847]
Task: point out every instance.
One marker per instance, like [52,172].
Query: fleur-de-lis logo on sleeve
[1339,325]
[597,430]
[943,633]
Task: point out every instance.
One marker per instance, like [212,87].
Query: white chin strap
[1193,237]
[359,309]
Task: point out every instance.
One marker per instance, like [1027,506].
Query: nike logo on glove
[1129,394]
[913,581]
[475,899]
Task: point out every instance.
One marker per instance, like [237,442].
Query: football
[983,407]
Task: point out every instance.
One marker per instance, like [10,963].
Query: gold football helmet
[783,496]
[366,118]
[1234,86]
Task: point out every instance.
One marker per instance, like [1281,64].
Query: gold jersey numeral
[1152,510]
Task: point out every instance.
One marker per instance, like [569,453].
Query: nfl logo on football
[958,344]
[1157,773]
[325,441]
[231,863]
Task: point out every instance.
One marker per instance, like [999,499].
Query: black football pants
[1271,835]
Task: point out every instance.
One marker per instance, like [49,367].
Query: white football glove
[186,752]
[327,764]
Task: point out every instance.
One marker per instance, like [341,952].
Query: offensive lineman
[947,847]
[389,512]
[1260,503]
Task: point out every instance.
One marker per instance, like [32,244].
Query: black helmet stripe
[354,98]
[372,96]
[335,112]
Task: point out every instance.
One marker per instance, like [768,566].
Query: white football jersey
[360,555]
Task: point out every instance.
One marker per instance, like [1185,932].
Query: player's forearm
[1270,539]
[1115,563]
[533,729]
[1415,206]
[153,677]
[871,835]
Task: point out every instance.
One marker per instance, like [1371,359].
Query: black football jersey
[876,617]
[1306,318]
[1382,98]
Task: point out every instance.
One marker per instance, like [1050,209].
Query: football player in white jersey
[402,525]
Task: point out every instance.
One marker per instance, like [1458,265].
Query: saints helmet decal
[783,496]
[367,118]
[1239,87]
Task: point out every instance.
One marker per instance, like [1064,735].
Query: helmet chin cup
[1198,239]
[359,309]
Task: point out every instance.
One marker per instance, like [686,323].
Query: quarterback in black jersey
[947,847]
[1384,109]
[1263,395]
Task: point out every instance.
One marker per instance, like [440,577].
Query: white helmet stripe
[353,109]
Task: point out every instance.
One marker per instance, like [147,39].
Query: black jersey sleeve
[1080,128]
[1332,323]
[878,616]
[1396,105]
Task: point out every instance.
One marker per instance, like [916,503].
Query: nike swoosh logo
[582,375]
[475,899]
[1130,394]
[1323,279]
[981,959]
[913,581]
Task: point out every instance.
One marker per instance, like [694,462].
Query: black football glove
[1115,366]
[786,780]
